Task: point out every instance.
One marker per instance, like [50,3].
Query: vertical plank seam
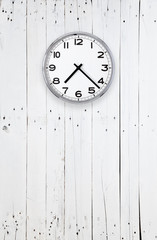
[46,130]
[64,137]
[104,202]
[64,163]
[139,198]
[26,223]
[92,230]
[92,223]
[120,112]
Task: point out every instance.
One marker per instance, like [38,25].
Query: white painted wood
[12,120]
[36,113]
[78,172]
[55,173]
[106,155]
[129,120]
[148,119]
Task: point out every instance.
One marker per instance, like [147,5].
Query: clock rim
[58,40]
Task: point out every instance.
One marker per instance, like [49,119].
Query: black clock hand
[77,68]
[87,76]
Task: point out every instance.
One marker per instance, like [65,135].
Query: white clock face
[78,67]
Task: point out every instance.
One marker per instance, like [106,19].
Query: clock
[78,67]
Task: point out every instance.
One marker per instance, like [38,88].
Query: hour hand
[77,68]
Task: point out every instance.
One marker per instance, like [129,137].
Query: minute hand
[89,78]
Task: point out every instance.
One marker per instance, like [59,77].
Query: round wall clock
[78,67]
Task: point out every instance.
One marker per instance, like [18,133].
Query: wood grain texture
[85,172]
[12,120]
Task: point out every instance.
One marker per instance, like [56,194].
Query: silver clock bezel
[62,38]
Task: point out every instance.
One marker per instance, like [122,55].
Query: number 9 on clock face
[78,67]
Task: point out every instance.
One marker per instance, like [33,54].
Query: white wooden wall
[85,172]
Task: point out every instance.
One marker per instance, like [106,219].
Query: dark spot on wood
[7,232]
[154,20]
[106,129]
[123,21]
[77,125]
[13,109]
[3,117]
[77,233]
[34,230]
[12,2]
[9,124]
[54,129]
[50,110]
[77,18]
[2,10]
[70,11]
[4,128]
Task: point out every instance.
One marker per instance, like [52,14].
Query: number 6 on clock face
[78,67]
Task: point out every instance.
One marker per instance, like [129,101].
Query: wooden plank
[129,120]
[55,169]
[78,17]
[36,109]
[13,120]
[148,119]
[106,117]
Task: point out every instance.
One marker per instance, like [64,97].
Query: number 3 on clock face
[78,67]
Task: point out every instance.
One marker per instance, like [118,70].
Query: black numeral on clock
[52,67]
[91,90]
[78,93]
[56,81]
[101,55]
[105,67]
[66,44]
[78,41]
[101,81]
[66,89]
[56,54]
